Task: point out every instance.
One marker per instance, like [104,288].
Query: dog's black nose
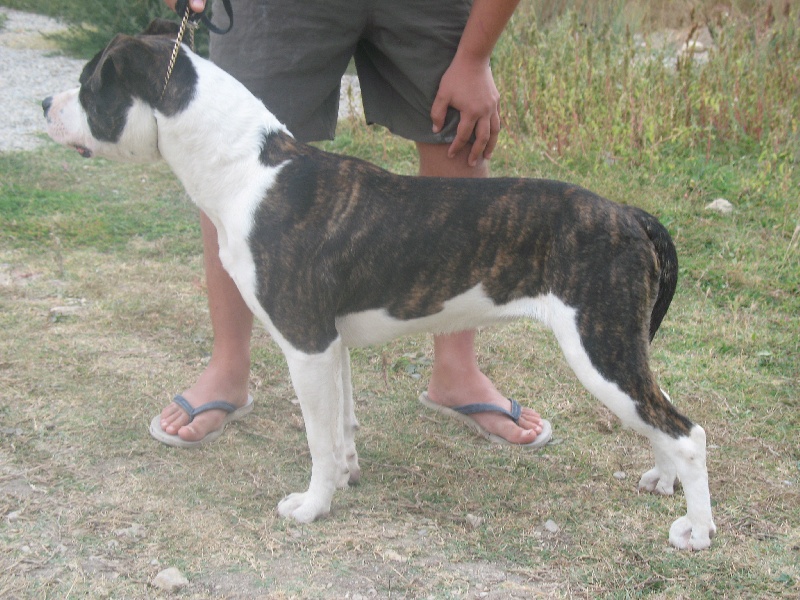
[46,104]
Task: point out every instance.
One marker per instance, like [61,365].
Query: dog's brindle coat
[331,252]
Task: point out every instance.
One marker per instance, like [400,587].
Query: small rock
[13,516]
[134,531]
[170,580]
[620,475]
[721,206]
[552,526]
[474,521]
[394,556]
[693,47]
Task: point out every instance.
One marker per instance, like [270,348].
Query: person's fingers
[197,6]
[439,112]
[495,126]
[482,137]
[463,135]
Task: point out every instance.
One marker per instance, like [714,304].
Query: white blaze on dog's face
[113,112]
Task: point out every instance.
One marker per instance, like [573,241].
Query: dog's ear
[162,27]
[138,65]
[90,67]
[101,66]
[127,63]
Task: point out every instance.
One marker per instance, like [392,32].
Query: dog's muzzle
[47,104]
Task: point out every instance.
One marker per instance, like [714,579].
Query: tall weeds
[582,88]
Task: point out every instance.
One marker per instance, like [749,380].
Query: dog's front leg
[318,382]
[661,478]
[350,421]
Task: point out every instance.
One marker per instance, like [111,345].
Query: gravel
[31,69]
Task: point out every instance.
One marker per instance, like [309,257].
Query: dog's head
[113,112]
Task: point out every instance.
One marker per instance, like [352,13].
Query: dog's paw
[686,536]
[303,507]
[657,482]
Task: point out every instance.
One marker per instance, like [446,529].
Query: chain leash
[185,23]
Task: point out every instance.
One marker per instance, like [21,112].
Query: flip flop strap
[193,412]
[471,409]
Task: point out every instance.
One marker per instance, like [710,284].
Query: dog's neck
[213,146]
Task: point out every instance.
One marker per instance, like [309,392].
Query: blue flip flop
[233,414]
[462,413]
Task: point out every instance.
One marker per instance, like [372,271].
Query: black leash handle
[181,6]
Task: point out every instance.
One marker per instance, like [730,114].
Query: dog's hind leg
[695,530]
[612,364]
[318,382]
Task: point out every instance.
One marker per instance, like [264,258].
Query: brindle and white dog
[331,252]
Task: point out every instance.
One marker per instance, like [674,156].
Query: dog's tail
[668,263]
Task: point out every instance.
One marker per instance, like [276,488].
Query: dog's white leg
[350,421]
[695,530]
[661,478]
[679,446]
[317,380]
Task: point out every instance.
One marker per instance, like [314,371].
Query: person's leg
[227,374]
[456,379]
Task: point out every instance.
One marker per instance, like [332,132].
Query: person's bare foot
[458,381]
[481,390]
[213,384]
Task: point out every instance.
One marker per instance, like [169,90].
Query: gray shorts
[292,55]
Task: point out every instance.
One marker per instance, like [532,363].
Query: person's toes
[531,420]
[173,417]
[519,435]
[200,426]
[190,433]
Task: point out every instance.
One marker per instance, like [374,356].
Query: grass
[102,309]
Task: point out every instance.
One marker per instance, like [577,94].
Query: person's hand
[468,86]
[196,5]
